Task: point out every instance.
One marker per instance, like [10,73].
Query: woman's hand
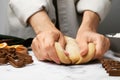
[88,33]
[43,45]
[46,36]
[101,42]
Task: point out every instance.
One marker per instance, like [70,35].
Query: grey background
[3,16]
[111,24]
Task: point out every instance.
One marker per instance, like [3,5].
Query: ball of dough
[74,52]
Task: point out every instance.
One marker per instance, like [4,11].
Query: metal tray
[114,44]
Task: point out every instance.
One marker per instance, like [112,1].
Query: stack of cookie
[112,67]
[16,55]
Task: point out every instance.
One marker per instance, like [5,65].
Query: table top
[49,71]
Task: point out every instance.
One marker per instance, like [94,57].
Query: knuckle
[42,57]
[49,46]
[108,41]
[101,37]
[34,40]
[99,54]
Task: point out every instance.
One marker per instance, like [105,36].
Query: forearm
[101,7]
[90,21]
[40,21]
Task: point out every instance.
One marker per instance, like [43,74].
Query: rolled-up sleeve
[101,7]
[23,9]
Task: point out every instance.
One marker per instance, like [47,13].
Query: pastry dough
[74,52]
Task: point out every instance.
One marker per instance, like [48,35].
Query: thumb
[83,48]
[62,41]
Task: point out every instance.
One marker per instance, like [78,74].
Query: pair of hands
[47,35]
[44,49]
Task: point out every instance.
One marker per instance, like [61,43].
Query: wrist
[90,21]
[40,21]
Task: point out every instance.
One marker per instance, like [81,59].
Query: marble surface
[50,71]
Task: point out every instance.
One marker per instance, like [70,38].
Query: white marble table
[49,71]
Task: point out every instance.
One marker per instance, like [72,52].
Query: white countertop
[50,71]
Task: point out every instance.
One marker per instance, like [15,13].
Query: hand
[88,33]
[101,42]
[47,35]
[43,45]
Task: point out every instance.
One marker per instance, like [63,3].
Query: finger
[51,51]
[42,53]
[53,55]
[104,48]
[83,48]
[48,58]
[38,51]
[99,48]
[35,48]
[66,53]
[62,41]
[107,44]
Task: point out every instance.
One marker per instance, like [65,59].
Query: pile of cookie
[112,67]
[15,55]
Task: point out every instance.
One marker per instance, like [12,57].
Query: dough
[74,52]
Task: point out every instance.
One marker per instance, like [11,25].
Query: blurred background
[3,16]
[111,24]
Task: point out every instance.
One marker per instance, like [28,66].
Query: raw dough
[74,52]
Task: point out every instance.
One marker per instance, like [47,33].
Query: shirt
[69,14]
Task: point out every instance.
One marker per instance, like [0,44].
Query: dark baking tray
[12,40]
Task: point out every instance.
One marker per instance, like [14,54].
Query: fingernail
[58,61]
[66,53]
[83,53]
